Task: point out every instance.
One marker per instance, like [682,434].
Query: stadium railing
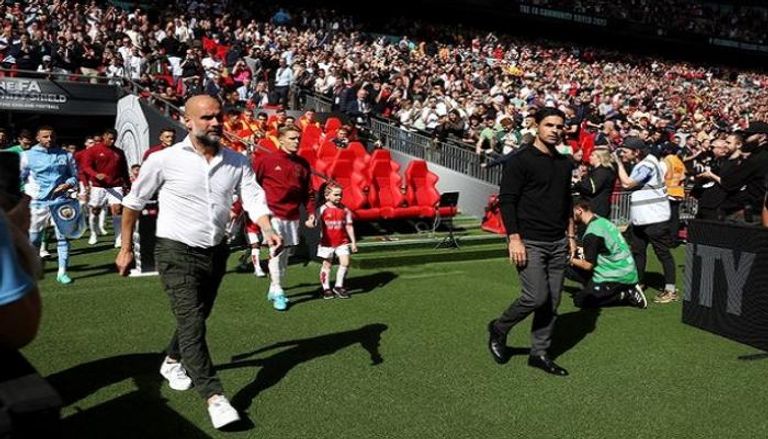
[446,154]
[620,208]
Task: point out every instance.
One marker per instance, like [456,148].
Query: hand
[274,241]
[124,261]
[62,187]
[517,254]
[353,247]
[100,176]
[311,222]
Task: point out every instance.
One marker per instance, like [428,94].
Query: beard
[210,139]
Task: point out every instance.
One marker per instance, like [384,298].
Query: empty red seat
[310,137]
[332,124]
[388,194]
[421,189]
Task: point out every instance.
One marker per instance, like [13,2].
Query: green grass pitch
[404,358]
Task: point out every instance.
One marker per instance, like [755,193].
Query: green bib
[618,265]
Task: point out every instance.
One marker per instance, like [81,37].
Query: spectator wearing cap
[649,212]
[751,172]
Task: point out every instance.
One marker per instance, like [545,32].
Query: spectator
[596,185]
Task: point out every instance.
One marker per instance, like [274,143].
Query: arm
[593,245]
[626,182]
[509,195]
[351,232]
[88,165]
[737,176]
[72,171]
[255,204]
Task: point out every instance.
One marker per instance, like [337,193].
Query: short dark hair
[111,131]
[25,134]
[45,128]
[545,112]
[168,130]
[582,204]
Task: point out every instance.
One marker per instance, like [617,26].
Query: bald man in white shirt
[195,181]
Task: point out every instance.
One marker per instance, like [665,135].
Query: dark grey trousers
[191,277]
[542,282]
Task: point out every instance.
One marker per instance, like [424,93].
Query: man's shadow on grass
[142,412]
[355,286]
[275,368]
[571,329]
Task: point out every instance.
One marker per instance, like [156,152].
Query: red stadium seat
[311,136]
[421,190]
[355,196]
[332,124]
[388,194]
[492,221]
[384,154]
[362,158]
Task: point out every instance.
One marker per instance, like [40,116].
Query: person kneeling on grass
[607,264]
[337,237]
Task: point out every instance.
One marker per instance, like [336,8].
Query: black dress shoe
[497,344]
[546,364]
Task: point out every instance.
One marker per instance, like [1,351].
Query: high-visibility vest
[675,177]
[650,204]
[617,265]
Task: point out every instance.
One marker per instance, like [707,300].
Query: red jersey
[79,156]
[333,225]
[286,179]
[110,161]
[157,148]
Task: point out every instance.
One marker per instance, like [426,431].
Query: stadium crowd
[738,22]
[469,87]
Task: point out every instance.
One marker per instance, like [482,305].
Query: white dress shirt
[195,195]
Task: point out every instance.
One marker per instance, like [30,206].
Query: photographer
[649,212]
[609,274]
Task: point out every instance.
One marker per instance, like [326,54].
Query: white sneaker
[118,243]
[93,239]
[103,231]
[221,412]
[44,253]
[259,272]
[176,375]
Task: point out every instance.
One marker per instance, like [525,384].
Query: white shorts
[288,229]
[101,196]
[328,252]
[254,238]
[39,218]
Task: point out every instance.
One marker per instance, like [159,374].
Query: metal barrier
[448,155]
[60,76]
[620,202]
[306,99]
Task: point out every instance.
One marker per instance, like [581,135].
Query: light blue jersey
[42,170]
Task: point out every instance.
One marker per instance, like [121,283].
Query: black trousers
[658,236]
[596,295]
[191,277]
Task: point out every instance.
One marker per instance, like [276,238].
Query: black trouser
[674,220]
[603,294]
[191,277]
[542,281]
[659,237]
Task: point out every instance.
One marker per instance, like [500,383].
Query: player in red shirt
[337,237]
[286,179]
[167,138]
[107,170]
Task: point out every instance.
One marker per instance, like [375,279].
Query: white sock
[325,277]
[340,274]
[117,226]
[62,270]
[274,274]
[102,218]
[255,260]
[669,287]
[92,223]
[283,258]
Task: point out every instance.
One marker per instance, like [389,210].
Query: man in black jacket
[750,173]
[535,201]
